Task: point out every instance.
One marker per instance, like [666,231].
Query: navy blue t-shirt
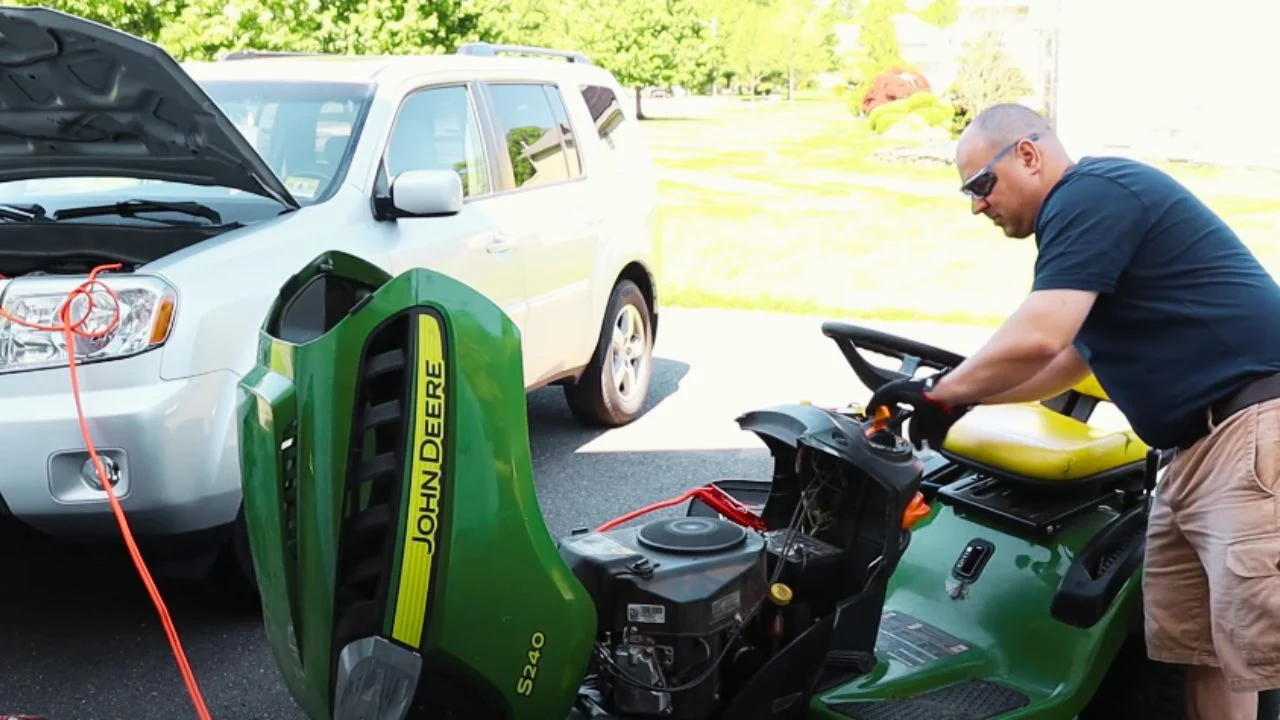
[1185,313]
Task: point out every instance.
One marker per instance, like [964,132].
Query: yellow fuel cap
[779,594]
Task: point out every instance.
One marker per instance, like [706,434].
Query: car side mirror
[425,193]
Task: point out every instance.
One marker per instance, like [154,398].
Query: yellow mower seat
[1035,442]
[1091,387]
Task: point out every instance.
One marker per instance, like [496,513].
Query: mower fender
[978,638]
[1100,570]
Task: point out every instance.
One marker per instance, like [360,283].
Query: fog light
[90,473]
[375,681]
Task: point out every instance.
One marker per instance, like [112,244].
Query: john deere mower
[406,571]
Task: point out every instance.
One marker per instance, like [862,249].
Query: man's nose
[979,205]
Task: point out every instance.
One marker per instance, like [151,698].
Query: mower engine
[670,597]
[708,615]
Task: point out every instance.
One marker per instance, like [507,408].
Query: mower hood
[85,100]
[387,485]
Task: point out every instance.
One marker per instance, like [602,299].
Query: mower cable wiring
[71,331]
[793,527]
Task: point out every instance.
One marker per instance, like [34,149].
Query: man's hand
[931,418]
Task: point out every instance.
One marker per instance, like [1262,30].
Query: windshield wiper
[22,213]
[130,208]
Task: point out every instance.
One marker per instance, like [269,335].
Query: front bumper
[173,443]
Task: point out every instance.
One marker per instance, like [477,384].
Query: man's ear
[1029,155]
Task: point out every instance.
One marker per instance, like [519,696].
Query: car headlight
[146,306]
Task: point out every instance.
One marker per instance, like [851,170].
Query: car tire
[612,390]
[233,572]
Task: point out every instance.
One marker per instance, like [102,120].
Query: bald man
[1140,283]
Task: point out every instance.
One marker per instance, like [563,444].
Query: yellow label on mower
[422,501]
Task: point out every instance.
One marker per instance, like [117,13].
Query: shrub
[893,107]
[924,108]
[923,99]
[888,119]
[893,84]
[936,115]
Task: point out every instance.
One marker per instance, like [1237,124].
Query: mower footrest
[1021,508]
[968,700]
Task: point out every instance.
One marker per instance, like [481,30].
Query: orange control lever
[916,511]
[879,420]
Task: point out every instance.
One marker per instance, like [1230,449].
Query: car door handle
[497,245]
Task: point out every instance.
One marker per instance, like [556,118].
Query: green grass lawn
[784,206]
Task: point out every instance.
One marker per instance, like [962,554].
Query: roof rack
[489,50]
[251,54]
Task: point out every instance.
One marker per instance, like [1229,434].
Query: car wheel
[233,572]
[615,385]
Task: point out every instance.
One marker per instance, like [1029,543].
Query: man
[1141,284]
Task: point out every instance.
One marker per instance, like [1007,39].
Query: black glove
[931,418]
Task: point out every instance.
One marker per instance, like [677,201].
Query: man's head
[1008,160]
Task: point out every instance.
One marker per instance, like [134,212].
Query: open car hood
[83,99]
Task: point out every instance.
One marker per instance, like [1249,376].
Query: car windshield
[302,129]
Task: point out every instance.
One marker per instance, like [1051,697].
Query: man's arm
[1060,375]
[1025,346]
[1089,229]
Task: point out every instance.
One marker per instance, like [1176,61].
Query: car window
[617,134]
[302,129]
[566,131]
[436,129]
[334,123]
[525,118]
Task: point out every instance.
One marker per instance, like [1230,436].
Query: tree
[807,43]
[846,10]
[987,76]
[878,49]
[751,45]
[784,38]
[648,43]
[143,18]
[201,29]
[374,27]
[878,37]
[942,13]
[643,43]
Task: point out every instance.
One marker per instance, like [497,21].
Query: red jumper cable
[715,498]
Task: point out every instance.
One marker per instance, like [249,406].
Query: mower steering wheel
[849,338]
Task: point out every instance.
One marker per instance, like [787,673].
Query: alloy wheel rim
[628,351]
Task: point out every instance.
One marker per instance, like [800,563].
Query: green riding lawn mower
[406,571]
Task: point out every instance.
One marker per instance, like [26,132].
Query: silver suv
[212,183]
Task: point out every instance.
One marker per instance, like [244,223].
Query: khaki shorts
[1211,582]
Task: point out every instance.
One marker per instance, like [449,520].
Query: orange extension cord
[72,331]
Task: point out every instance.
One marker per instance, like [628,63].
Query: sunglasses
[983,182]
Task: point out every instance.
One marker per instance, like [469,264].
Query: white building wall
[1169,79]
